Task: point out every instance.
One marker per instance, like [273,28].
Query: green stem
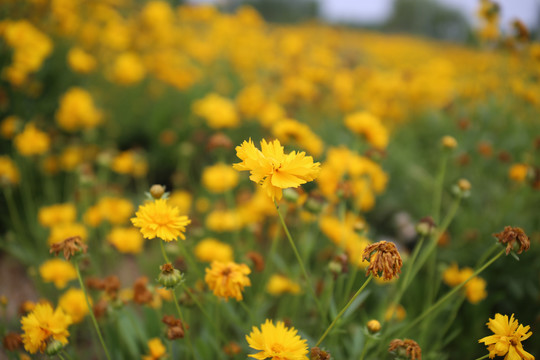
[163,252]
[248,310]
[295,250]
[91,312]
[188,338]
[344,309]
[13,212]
[439,184]
[60,356]
[66,355]
[483,357]
[451,292]
[364,349]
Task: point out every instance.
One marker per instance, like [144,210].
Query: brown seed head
[157,191]
[219,140]
[385,258]
[12,341]
[406,347]
[232,349]
[318,354]
[514,237]
[166,268]
[70,247]
[175,328]
[141,294]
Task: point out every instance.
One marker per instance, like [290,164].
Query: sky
[372,11]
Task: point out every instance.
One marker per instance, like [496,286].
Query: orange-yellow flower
[41,325]
[158,219]
[227,279]
[274,170]
[277,342]
[507,338]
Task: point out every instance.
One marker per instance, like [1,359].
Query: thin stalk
[248,310]
[364,349]
[163,252]
[188,338]
[13,212]
[483,357]
[91,311]
[439,184]
[60,356]
[344,309]
[295,250]
[451,292]
[66,355]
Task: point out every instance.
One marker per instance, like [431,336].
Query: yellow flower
[128,69]
[58,271]
[9,126]
[277,342]
[57,214]
[507,338]
[227,279]
[157,350]
[368,125]
[126,240]
[32,141]
[73,303]
[224,220]
[81,61]
[71,157]
[182,200]
[398,312]
[77,111]
[41,325]
[518,172]
[475,290]
[61,232]
[115,209]
[279,284]
[219,178]
[289,131]
[158,219]
[219,112]
[8,171]
[210,249]
[274,170]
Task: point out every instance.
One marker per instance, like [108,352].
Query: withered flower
[219,140]
[514,237]
[406,348]
[12,341]
[111,285]
[100,308]
[318,354]
[71,246]
[257,259]
[385,258]
[141,294]
[175,328]
[232,349]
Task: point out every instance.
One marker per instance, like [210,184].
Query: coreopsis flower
[274,170]
[63,231]
[116,210]
[449,142]
[279,284]
[475,290]
[49,216]
[514,238]
[9,126]
[58,271]
[406,348]
[182,200]
[507,338]
[156,348]
[227,279]
[159,219]
[219,178]
[32,141]
[383,256]
[128,69]
[210,249]
[77,111]
[291,131]
[80,61]
[126,240]
[71,246]
[43,325]
[219,112]
[518,172]
[370,126]
[9,174]
[277,342]
[73,302]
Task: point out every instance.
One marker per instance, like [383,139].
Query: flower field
[184,182]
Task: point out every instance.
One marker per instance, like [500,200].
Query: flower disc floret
[158,219]
[277,342]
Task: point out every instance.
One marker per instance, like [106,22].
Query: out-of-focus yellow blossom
[77,111]
[270,114]
[50,165]
[518,172]
[42,325]
[219,178]
[224,220]
[9,174]
[128,69]
[279,284]
[474,288]
[210,249]
[32,141]
[251,100]
[182,200]
[291,131]
[116,210]
[156,348]
[218,111]
[92,217]
[71,157]
[80,61]
[73,303]
[57,271]
[130,162]
[202,205]
[395,312]
[8,127]
[126,240]
[274,170]
[49,216]
[61,232]
[227,279]
[366,124]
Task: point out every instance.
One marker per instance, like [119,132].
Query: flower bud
[373,326]
[318,354]
[425,226]
[449,142]
[157,191]
[169,276]
[54,348]
[290,195]
[462,188]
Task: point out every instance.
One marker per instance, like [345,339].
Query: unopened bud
[291,195]
[425,226]
[157,191]
[462,188]
[448,142]
[54,348]
[169,277]
[373,326]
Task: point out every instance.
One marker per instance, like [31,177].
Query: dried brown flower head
[219,140]
[111,285]
[514,237]
[383,256]
[318,354]
[71,246]
[141,294]
[175,328]
[257,259]
[12,341]
[232,349]
[406,347]
[100,308]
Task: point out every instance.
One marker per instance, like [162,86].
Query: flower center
[277,348]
